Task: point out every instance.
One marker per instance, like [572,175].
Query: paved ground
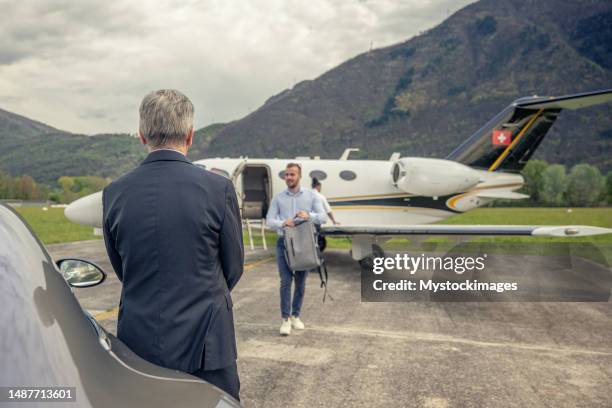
[400,354]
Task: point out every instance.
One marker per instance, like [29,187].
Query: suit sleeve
[109,242]
[231,249]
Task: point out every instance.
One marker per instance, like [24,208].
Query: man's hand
[303,215]
[289,223]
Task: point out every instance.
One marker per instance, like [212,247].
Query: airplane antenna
[347,152]
[395,156]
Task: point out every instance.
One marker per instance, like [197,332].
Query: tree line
[66,190]
[552,185]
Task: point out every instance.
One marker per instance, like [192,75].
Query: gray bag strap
[323,275]
[286,253]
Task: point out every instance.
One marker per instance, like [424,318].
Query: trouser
[287,276]
[225,378]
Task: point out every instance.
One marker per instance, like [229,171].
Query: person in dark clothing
[173,234]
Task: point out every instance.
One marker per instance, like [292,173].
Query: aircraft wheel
[322,241]
[377,251]
[367,263]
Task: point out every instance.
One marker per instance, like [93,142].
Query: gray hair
[166,118]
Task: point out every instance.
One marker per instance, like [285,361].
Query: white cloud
[84,66]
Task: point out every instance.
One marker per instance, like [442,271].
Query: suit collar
[165,155]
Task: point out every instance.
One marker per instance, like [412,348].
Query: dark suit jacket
[173,234]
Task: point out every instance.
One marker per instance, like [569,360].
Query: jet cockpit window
[348,175]
[281,174]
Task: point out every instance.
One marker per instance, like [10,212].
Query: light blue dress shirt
[285,205]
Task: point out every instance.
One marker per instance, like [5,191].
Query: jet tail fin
[509,140]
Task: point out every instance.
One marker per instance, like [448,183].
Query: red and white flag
[501,137]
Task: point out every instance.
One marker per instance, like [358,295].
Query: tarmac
[410,354]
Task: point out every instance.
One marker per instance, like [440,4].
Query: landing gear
[365,249]
[322,242]
[367,263]
[377,251]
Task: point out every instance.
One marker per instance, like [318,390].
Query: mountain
[421,97]
[45,153]
[202,139]
[426,95]
[17,126]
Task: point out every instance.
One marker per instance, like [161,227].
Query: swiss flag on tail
[501,137]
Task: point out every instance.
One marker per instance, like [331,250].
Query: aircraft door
[256,191]
[237,181]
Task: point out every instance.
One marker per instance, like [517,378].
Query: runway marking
[434,402]
[257,263]
[432,337]
[109,314]
[106,315]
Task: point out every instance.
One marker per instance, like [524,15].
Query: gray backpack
[301,248]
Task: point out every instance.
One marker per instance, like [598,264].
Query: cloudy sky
[84,66]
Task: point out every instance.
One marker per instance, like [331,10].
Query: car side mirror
[79,273]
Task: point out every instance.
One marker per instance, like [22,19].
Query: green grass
[598,217]
[52,227]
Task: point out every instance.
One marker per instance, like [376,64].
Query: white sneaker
[285,328]
[296,323]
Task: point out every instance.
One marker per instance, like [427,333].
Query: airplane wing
[483,230]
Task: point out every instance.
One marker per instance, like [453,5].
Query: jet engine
[432,177]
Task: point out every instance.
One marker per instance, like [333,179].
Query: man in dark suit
[173,234]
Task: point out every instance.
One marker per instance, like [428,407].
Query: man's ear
[189,140]
[142,139]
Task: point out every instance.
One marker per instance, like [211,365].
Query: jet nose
[86,210]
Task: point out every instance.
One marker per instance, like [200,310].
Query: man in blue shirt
[294,202]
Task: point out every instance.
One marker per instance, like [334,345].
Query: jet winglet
[570,231]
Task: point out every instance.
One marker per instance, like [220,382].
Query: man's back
[173,235]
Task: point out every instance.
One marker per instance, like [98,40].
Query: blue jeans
[289,308]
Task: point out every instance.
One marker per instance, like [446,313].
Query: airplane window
[220,172]
[281,174]
[320,175]
[348,175]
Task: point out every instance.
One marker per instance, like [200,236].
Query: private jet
[375,199]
